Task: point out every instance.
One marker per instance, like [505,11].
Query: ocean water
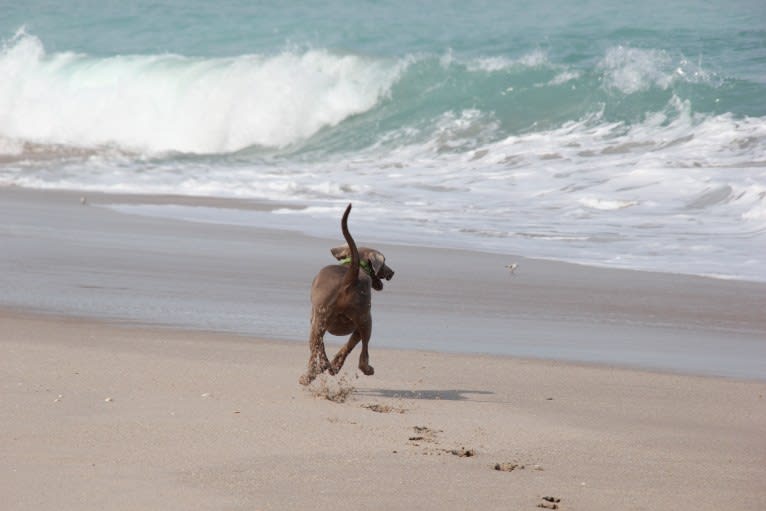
[619,135]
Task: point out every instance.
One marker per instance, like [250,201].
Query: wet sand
[90,261]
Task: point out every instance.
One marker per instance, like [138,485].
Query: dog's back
[327,283]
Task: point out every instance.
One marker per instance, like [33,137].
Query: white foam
[605,204]
[564,77]
[535,58]
[169,103]
[11,147]
[632,70]
[755,210]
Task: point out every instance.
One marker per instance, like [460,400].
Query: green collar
[363,264]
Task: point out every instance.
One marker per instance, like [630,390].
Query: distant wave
[158,103]
[308,100]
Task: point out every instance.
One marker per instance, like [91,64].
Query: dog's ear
[341,252]
[377,261]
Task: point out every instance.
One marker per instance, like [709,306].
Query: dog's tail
[352,275]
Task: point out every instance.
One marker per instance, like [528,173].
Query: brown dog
[340,304]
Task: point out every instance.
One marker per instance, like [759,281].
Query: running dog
[341,302]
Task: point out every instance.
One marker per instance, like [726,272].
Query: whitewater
[607,138]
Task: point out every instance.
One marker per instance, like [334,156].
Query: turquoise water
[628,136]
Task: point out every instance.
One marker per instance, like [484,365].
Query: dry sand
[103,417]
[99,412]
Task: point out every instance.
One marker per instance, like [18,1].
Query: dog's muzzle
[386,273]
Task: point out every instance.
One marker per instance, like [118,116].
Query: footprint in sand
[379,408]
[424,434]
[550,503]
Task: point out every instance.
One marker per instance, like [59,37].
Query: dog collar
[362,264]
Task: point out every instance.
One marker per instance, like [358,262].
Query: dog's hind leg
[364,357]
[340,357]
[318,361]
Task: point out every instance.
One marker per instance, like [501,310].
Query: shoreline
[88,260]
[334,343]
[144,204]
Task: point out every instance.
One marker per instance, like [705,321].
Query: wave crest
[301,101]
[632,70]
[166,103]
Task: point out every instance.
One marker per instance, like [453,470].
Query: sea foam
[171,103]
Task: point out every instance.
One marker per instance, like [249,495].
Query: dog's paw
[367,370]
[325,365]
[305,379]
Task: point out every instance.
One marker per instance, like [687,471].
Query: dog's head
[375,260]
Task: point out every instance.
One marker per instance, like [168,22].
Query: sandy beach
[151,363]
[97,416]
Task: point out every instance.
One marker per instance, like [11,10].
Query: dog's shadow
[446,395]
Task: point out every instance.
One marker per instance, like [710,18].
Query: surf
[174,103]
